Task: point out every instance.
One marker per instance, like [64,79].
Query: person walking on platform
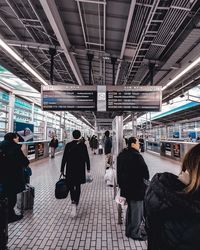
[172,205]
[108,147]
[75,160]
[12,177]
[53,145]
[131,172]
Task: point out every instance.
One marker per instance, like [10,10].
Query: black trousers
[12,199]
[75,191]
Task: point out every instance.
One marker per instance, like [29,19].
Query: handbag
[119,199]
[61,188]
[89,178]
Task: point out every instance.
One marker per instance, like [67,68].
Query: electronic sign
[101,98]
[59,97]
[134,98]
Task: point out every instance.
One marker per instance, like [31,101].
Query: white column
[134,124]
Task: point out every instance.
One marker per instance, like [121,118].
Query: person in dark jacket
[108,148]
[172,207]
[11,172]
[75,159]
[53,145]
[131,172]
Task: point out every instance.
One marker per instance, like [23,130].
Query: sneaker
[73,212]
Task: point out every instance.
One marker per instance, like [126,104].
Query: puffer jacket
[172,216]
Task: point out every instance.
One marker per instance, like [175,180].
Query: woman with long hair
[172,207]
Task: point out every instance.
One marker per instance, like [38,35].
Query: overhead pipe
[113,61]
[52,52]
[151,72]
[90,58]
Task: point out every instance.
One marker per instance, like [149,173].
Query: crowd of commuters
[169,206]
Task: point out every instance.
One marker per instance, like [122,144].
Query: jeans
[134,217]
[75,191]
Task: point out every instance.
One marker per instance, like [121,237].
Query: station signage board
[134,98]
[59,97]
[102,98]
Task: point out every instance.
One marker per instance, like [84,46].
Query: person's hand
[184,177]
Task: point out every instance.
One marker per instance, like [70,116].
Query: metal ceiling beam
[142,37]
[91,1]
[50,38]
[54,18]
[33,45]
[128,25]
[30,32]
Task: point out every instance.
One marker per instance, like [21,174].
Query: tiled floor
[49,225]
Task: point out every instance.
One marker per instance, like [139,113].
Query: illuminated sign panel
[134,98]
[101,98]
[69,98]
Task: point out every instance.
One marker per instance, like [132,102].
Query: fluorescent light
[86,120]
[182,73]
[19,59]
[10,51]
[34,73]
[126,118]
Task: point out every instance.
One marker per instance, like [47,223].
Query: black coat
[11,168]
[53,143]
[172,216]
[107,145]
[131,172]
[75,159]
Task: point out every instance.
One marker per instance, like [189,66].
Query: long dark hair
[10,136]
[191,163]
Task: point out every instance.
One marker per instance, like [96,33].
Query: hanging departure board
[134,98]
[58,97]
[110,98]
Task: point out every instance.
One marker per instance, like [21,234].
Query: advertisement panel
[176,150]
[24,130]
[31,152]
[40,149]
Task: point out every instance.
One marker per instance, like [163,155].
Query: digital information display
[134,98]
[69,98]
[101,98]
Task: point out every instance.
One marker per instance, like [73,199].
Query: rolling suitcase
[25,199]
[100,151]
[3,223]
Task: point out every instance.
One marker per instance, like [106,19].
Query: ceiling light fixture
[86,120]
[182,73]
[126,118]
[21,61]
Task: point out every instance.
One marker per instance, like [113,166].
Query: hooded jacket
[172,216]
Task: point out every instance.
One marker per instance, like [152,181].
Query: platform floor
[49,225]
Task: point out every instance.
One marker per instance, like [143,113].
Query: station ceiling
[151,41]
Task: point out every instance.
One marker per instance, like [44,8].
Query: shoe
[73,212]
[141,238]
[14,218]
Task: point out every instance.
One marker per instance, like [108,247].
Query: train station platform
[50,226]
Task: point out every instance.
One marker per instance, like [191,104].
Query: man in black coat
[131,172]
[13,162]
[75,159]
